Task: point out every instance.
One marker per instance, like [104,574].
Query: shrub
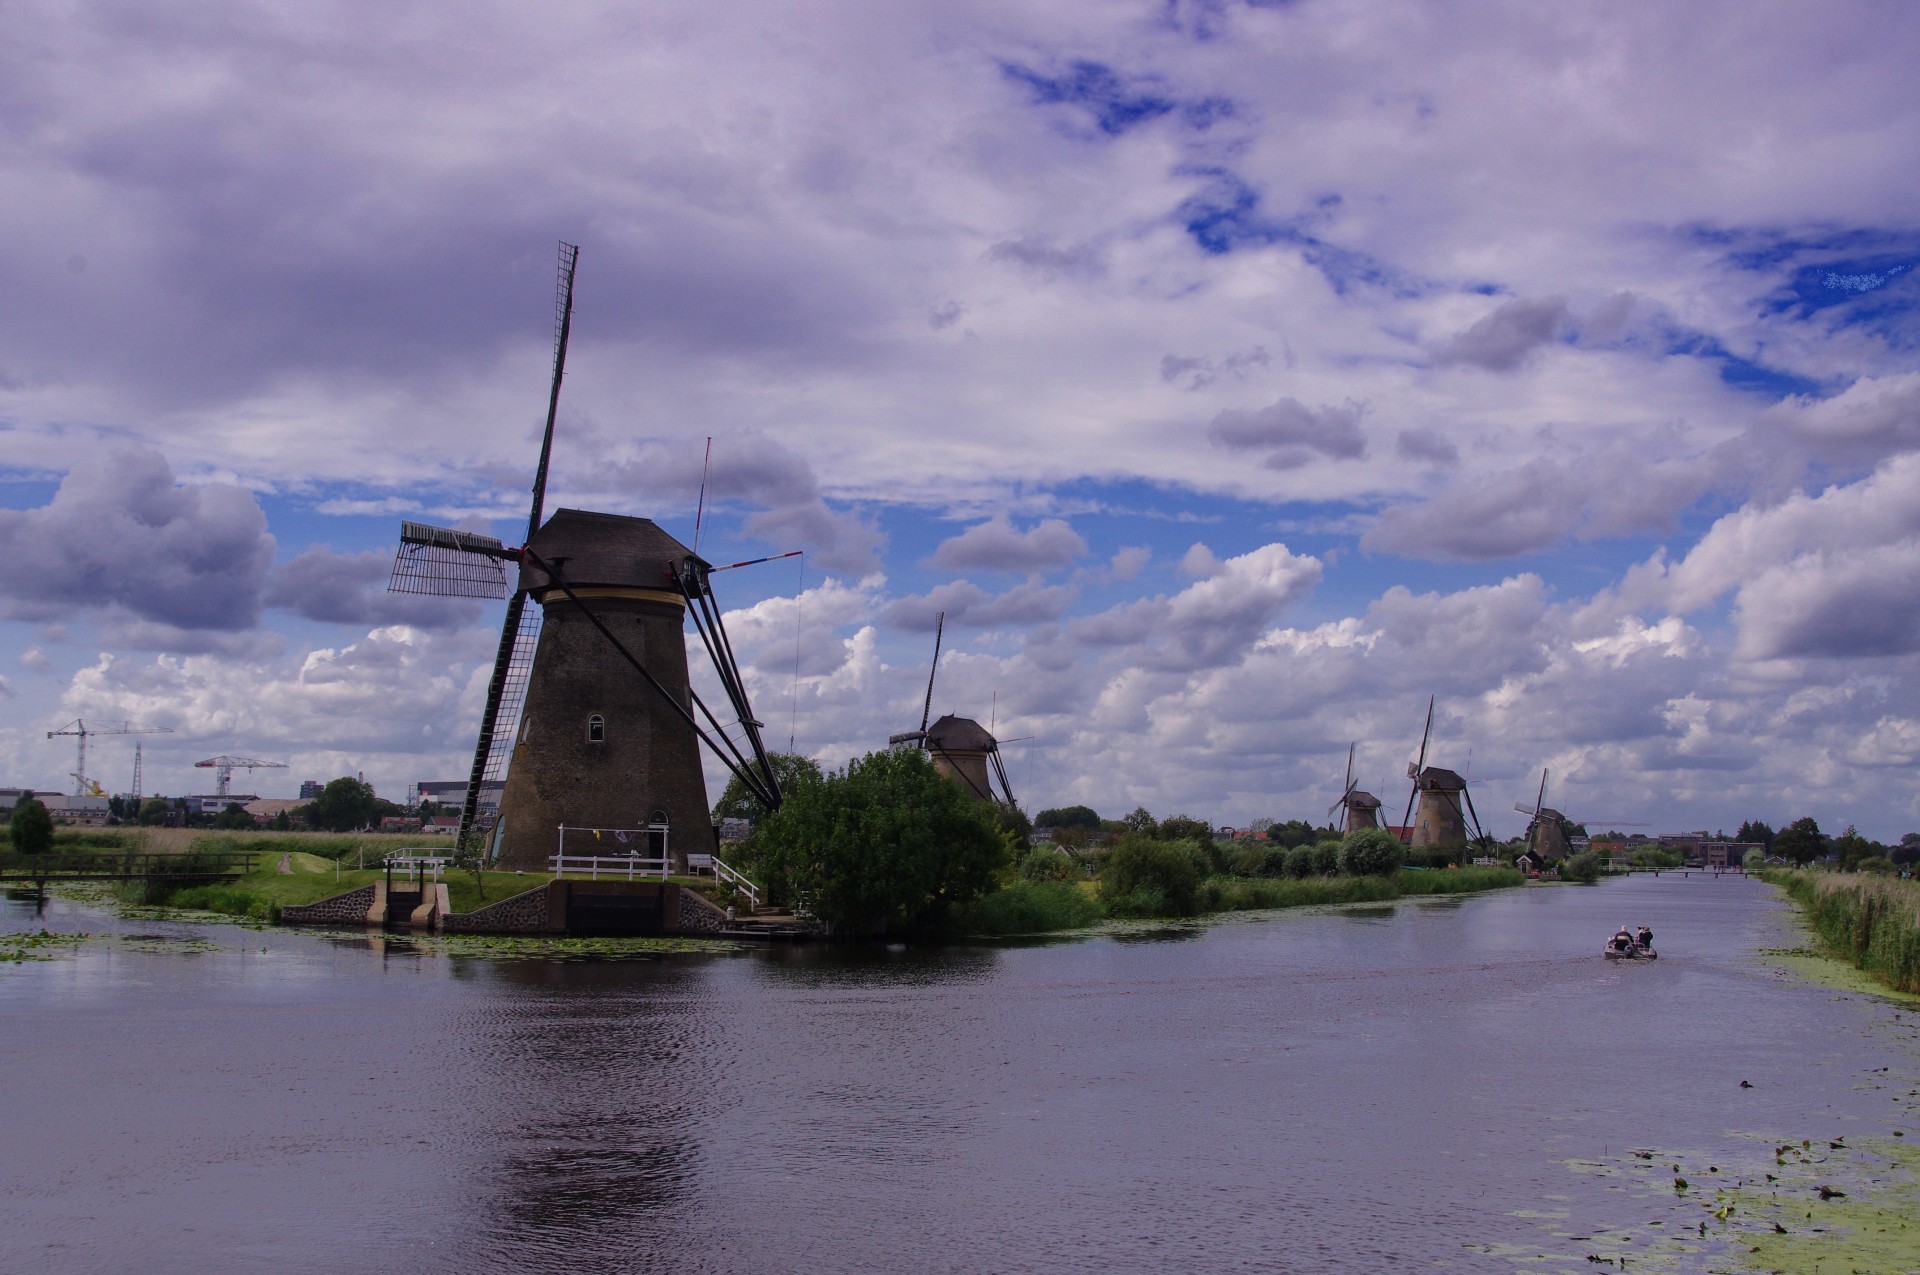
[1370,852]
[1029,907]
[1299,862]
[1583,868]
[30,830]
[887,844]
[1042,864]
[1144,877]
[1326,858]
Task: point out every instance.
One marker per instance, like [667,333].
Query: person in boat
[1644,939]
[1622,940]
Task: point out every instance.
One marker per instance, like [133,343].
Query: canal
[1455,1085]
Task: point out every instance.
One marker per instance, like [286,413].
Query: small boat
[1633,953]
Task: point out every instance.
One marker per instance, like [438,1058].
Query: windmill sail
[443,563]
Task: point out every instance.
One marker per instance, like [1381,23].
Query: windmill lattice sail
[442,563]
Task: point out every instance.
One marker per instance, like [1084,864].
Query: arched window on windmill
[596,729]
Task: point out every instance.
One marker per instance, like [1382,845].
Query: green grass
[1873,922]
[1031,907]
[1035,907]
[1239,894]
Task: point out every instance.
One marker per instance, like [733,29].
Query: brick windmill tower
[960,748]
[1547,830]
[591,720]
[1357,808]
[1441,794]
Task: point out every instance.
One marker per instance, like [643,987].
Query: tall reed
[1872,921]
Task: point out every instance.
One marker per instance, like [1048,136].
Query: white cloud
[994,545]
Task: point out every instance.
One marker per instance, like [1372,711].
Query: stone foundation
[524,913]
[356,907]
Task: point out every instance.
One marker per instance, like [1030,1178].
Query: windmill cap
[960,735]
[589,549]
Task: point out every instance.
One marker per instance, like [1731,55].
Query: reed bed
[1874,922]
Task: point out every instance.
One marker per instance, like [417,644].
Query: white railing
[646,845]
[737,880]
[429,865]
[629,867]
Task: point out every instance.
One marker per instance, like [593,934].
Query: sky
[1234,376]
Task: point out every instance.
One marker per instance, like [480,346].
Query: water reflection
[1336,1090]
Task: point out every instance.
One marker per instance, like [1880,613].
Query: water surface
[1453,1084]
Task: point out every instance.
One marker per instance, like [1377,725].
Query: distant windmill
[1444,806]
[1357,809]
[590,717]
[960,747]
[1547,831]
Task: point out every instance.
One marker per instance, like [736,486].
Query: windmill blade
[443,563]
[1540,802]
[1526,810]
[563,327]
[1478,833]
[500,720]
[1425,735]
[926,710]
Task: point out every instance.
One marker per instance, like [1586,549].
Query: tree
[1139,821]
[790,769]
[1183,828]
[31,828]
[1800,841]
[154,811]
[1014,824]
[1145,877]
[344,805]
[234,817]
[1855,849]
[888,844]
[1755,831]
[1908,851]
[1067,817]
[1370,852]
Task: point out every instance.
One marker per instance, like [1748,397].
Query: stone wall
[350,908]
[522,914]
[699,914]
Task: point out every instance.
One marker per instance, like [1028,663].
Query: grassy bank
[1042,907]
[261,894]
[1872,922]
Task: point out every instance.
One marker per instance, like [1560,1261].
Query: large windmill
[591,720]
[1547,830]
[1444,806]
[961,749]
[1357,809]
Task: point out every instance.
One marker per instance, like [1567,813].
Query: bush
[1299,862]
[1326,858]
[1256,860]
[888,844]
[1144,877]
[1042,864]
[30,830]
[1370,852]
[1583,868]
[1029,907]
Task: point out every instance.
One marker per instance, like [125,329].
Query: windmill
[1357,809]
[590,718]
[1547,830]
[1444,806]
[961,749]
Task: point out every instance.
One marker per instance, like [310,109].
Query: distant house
[441,825]
[399,823]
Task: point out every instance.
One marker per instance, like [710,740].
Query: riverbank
[1056,907]
[1873,923]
